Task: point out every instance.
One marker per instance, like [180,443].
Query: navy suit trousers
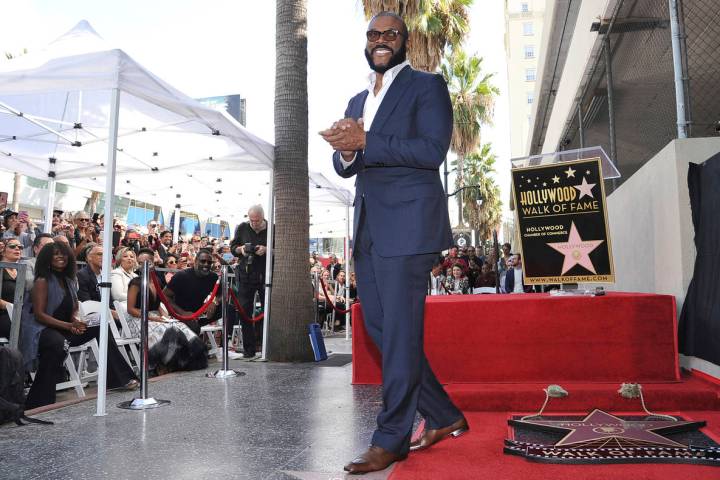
[392,293]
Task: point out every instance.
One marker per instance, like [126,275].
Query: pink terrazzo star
[576,250]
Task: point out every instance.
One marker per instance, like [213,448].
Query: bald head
[400,21]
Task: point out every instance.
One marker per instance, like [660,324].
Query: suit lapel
[359,105]
[392,97]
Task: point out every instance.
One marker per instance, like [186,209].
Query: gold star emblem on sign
[556,179]
[570,172]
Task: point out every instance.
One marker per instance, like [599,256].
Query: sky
[220,47]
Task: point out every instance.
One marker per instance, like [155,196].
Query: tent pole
[269,264]
[50,205]
[176,222]
[107,251]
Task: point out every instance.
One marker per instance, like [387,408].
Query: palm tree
[473,99]
[485,216]
[438,24]
[291,305]
[433,24]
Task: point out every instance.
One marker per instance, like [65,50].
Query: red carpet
[479,455]
[539,338]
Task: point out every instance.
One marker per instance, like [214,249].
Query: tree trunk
[459,195]
[17,187]
[291,302]
[92,202]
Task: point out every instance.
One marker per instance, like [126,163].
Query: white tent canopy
[63,95]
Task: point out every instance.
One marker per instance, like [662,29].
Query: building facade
[523,37]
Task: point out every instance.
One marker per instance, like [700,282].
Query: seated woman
[324,307]
[50,321]
[340,302]
[171,261]
[487,277]
[353,287]
[11,254]
[120,277]
[172,345]
[458,283]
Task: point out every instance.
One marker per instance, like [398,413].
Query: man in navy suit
[394,137]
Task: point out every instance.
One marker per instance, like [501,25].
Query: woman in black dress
[55,284]
[11,254]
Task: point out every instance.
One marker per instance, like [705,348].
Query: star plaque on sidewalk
[601,437]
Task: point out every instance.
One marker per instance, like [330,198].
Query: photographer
[132,240]
[250,246]
[84,234]
[19,226]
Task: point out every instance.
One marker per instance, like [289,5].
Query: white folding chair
[235,338]
[124,338]
[79,376]
[209,332]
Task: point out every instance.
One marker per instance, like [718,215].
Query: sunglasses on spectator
[388,35]
[171,262]
[83,219]
[14,246]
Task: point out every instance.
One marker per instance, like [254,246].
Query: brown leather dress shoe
[431,437]
[375,459]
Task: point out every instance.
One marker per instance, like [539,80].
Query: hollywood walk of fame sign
[563,223]
[600,437]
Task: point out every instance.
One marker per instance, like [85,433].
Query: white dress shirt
[372,102]
[518,288]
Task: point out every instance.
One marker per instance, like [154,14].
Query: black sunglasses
[388,35]
[14,246]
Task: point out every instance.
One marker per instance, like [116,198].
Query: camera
[250,252]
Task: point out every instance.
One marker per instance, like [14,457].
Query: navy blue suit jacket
[398,182]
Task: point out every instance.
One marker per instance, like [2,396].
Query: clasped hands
[346,136]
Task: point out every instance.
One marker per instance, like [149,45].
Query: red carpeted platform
[479,455]
[691,393]
[537,338]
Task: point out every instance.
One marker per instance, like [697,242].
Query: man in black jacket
[88,278]
[250,245]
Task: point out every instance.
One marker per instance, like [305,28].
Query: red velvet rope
[168,305]
[327,297]
[242,312]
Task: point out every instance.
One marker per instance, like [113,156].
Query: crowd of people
[340,290]
[467,270]
[63,270]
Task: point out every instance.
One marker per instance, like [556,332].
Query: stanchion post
[144,402]
[225,372]
[226,324]
[144,304]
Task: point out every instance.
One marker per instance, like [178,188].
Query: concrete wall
[650,222]
[651,227]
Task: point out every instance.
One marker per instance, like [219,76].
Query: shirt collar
[388,76]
